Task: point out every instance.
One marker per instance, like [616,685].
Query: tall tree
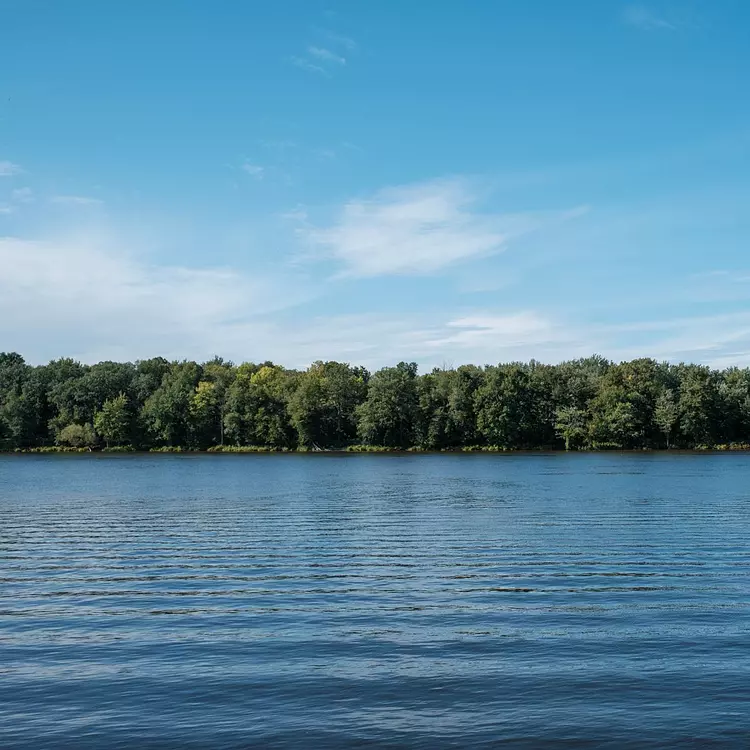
[323,405]
[507,407]
[667,415]
[167,411]
[700,405]
[571,424]
[585,403]
[388,415]
[256,409]
[113,421]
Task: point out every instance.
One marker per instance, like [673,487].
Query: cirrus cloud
[418,229]
[9,169]
[76,200]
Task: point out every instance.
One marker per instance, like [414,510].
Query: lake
[428,601]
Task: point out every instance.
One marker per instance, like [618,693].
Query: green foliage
[388,415]
[323,406]
[113,421]
[167,413]
[77,436]
[571,424]
[622,411]
[699,405]
[667,415]
[256,407]
[246,449]
[181,406]
[507,408]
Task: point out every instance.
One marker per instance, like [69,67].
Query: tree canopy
[576,405]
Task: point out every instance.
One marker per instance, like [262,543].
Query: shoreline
[261,450]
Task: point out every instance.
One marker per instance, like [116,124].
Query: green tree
[388,415]
[667,415]
[112,422]
[622,412]
[206,415]
[23,405]
[220,374]
[167,413]
[465,382]
[699,405]
[576,382]
[433,422]
[543,379]
[734,390]
[77,436]
[256,407]
[582,403]
[323,406]
[571,424]
[507,407]
[447,412]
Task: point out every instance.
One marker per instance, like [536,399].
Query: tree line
[589,403]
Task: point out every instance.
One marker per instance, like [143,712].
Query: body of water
[428,601]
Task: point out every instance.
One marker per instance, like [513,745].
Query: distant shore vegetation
[158,405]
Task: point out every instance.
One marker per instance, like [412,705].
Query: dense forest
[583,404]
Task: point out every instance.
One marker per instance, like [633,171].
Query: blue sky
[371,181]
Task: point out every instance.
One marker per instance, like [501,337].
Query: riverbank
[246,449]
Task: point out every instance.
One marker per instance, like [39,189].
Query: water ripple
[420,601]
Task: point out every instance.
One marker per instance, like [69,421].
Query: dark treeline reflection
[586,403]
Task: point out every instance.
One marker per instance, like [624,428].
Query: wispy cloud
[135,308]
[326,55]
[279,146]
[22,195]
[732,277]
[325,154]
[6,209]
[338,40]
[415,229]
[324,59]
[254,170]
[77,200]
[643,17]
[504,331]
[9,169]
[490,336]
[304,64]
[720,286]
[131,308]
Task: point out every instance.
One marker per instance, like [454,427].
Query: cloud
[376,339]
[326,55]
[254,170]
[716,340]
[9,169]
[76,200]
[516,329]
[644,18]
[488,337]
[22,195]
[322,60]
[279,146]
[90,298]
[339,40]
[326,154]
[723,275]
[414,229]
[305,64]
[6,209]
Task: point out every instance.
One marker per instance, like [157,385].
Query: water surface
[297,601]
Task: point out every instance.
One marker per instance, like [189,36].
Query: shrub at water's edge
[161,406]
